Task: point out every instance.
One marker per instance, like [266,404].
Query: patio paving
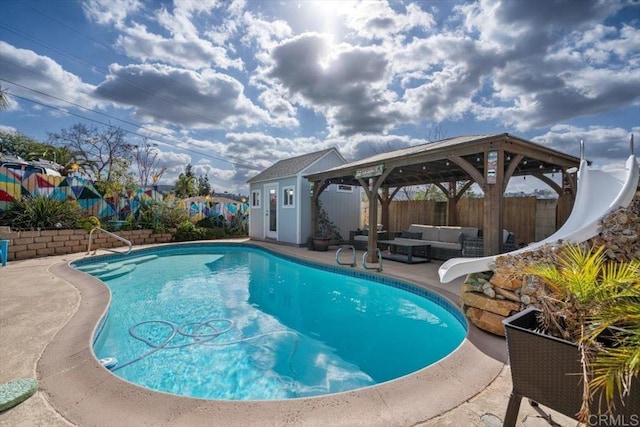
[35,304]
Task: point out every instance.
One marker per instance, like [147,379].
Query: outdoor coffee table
[408,258]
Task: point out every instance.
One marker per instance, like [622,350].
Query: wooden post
[317,187]
[372,242]
[385,201]
[493,201]
[452,200]
[314,208]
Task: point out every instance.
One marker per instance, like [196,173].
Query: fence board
[519,215]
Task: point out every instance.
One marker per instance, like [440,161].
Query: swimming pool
[237,322]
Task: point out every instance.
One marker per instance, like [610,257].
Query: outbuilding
[280,199]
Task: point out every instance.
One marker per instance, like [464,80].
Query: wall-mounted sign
[370,171]
[492,165]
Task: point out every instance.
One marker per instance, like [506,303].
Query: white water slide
[599,192]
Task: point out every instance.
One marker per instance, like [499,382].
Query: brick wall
[37,244]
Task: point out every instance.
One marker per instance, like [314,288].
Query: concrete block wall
[37,244]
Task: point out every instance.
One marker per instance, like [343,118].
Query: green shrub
[89,223]
[236,226]
[206,222]
[187,231]
[170,216]
[43,213]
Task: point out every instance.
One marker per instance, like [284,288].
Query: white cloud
[44,76]
[605,146]
[255,82]
[8,129]
[345,83]
[180,50]
[377,20]
[200,100]
[110,12]
[263,33]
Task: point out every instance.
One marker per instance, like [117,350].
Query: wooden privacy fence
[528,218]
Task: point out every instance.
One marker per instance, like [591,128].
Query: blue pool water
[240,323]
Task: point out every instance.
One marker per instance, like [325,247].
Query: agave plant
[43,213]
[586,295]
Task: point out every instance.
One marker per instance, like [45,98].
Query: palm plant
[185,185]
[585,296]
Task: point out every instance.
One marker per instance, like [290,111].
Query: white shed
[280,199]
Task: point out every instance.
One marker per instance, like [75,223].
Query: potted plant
[579,353]
[326,231]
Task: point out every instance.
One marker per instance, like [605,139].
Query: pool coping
[85,393]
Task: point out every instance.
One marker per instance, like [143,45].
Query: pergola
[453,165]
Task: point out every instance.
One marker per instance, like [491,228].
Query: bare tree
[102,151]
[435,133]
[147,162]
[4,100]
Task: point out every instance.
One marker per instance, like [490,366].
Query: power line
[235,162]
[90,66]
[127,131]
[64,24]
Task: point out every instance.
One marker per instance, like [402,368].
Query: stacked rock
[488,298]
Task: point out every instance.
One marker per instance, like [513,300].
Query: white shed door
[271,212]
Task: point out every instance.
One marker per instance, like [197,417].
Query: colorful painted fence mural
[15,184]
[229,211]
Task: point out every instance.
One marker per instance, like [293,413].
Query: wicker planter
[321,243]
[548,371]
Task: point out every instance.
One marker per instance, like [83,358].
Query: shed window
[255,199]
[344,188]
[288,199]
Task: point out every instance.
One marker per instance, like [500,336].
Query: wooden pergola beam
[454,160]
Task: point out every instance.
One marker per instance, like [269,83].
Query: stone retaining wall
[37,244]
[490,297]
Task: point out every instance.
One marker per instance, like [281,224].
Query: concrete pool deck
[48,313]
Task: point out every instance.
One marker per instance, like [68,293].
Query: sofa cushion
[450,234]
[410,235]
[429,232]
[471,232]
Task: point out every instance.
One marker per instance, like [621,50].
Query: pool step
[139,260]
[116,272]
[106,271]
[90,268]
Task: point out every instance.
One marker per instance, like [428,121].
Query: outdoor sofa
[446,241]
[452,241]
[360,238]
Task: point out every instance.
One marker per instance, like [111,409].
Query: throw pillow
[410,235]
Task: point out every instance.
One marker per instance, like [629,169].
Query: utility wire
[134,124]
[90,66]
[93,67]
[125,130]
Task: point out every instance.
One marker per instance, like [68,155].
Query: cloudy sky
[233,86]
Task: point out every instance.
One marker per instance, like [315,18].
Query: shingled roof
[289,167]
